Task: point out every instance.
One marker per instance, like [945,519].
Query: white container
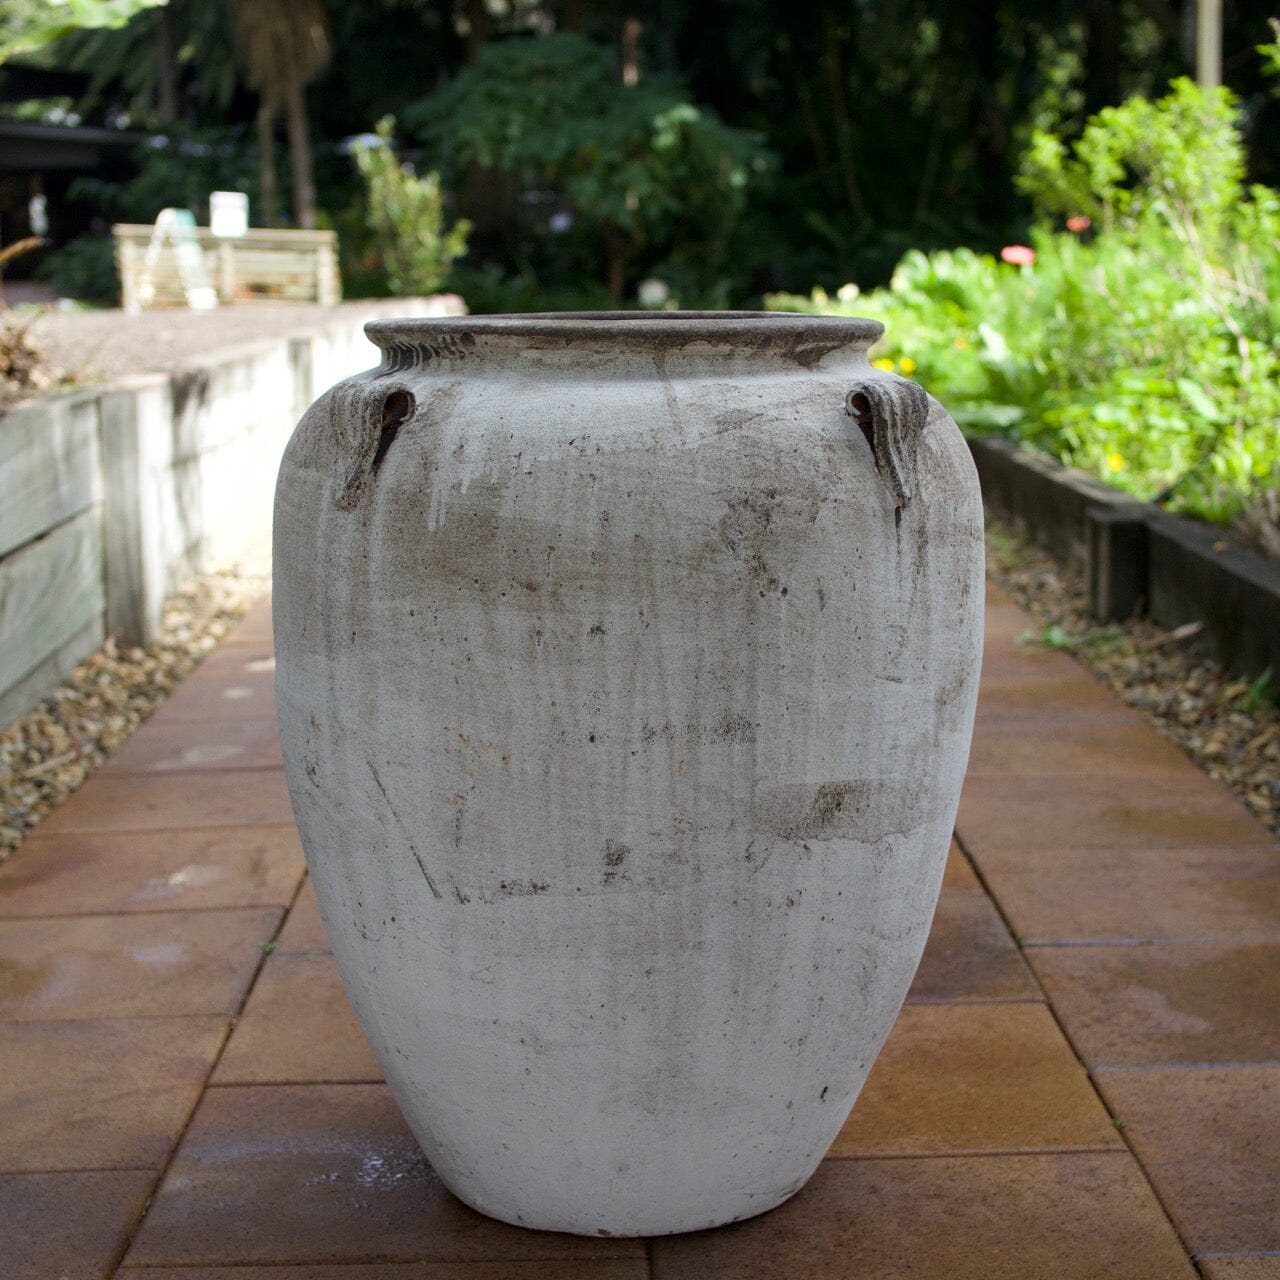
[626,674]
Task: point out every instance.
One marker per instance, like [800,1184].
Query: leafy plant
[1140,341]
[639,169]
[406,214]
[28,27]
[84,269]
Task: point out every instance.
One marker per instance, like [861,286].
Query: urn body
[626,670]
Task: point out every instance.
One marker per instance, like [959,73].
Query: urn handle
[891,412]
[366,421]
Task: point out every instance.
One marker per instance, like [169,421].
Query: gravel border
[1232,730]
[47,753]
[1229,727]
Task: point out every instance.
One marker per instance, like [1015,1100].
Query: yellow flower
[961,344]
[1114,462]
[884,363]
[907,365]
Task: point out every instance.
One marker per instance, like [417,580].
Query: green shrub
[406,215]
[643,174]
[84,269]
[1141,346]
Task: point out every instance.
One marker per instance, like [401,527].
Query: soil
[1229,726]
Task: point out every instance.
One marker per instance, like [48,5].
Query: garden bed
[1229,726]
[1135,559]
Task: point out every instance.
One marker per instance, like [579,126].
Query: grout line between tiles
[117,1262]
[1183,1243]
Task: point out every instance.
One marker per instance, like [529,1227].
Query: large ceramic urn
[626,669]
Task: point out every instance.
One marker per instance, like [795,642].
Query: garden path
[1085,1080]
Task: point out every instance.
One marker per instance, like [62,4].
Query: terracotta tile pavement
[1054,1101]
[95,872]
[1241,1267]
[42,1237]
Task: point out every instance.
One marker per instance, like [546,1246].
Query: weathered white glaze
[626,674]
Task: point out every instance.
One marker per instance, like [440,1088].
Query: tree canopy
[734,146]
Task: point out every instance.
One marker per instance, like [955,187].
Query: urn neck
[626,343]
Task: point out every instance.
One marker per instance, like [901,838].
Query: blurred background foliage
[734,147]
[1067,242]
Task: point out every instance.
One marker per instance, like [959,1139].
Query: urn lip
[790,335]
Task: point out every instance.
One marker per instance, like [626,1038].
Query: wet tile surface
[96,872]
[303,928]
[1044,815]
[171,745]
[1051,699]
[255,627]
[297,1028]
[130,966]
[100,1095]
[1209,1140]
[560,1269]
[1172,1004]
[1036,1217]
[955,1079]
[322,1173]
[1138,895]
[72,1225]
[970,955]
[1128,749]
[172,801]
[1241,1268]
[235,683]
[979,1149]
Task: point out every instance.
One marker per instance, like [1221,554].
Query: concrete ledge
[1194,574]
[1046,500]
[1136,558]
[114,494]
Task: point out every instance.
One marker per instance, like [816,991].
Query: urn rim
[793,334]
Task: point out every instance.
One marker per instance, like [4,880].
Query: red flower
[1018,254]
[1079,223]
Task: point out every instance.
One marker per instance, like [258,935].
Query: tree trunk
[838,90]
[166,71]
[304,188]
[616,253]
[267,213]
[477,27]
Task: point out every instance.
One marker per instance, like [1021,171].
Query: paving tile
[1209,1140]
[1043,815]
[1032,1217]
[560,1269]
[1241,1267]
[1004,622]
[303,928]
[297,1028]
[129,966]
[89,872]
[167,745]
[970,955]
[322,1173]
[170,801]
[1033,662]
[223,693]
[1167,1004]
[100,1095]
[255,627]
[959,877]
[1014,748]
[1137,895]
[957,1079]
[1031,700]
[72,1225]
